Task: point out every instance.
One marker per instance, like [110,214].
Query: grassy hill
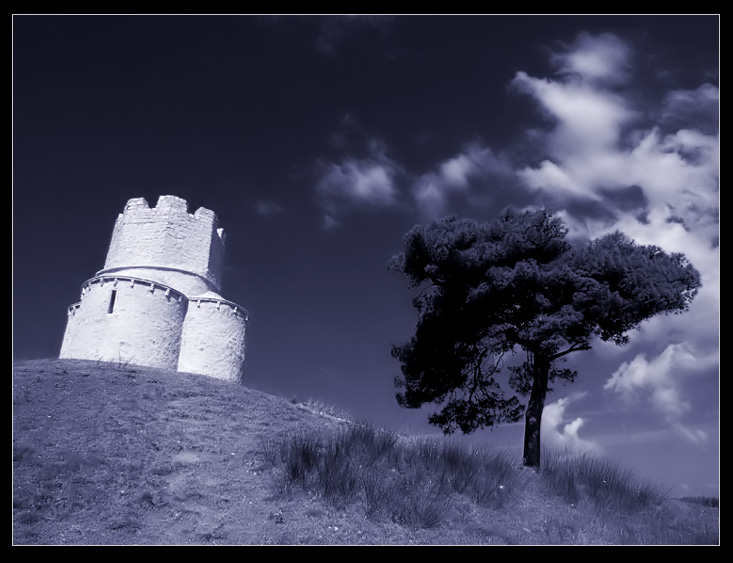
[106,454]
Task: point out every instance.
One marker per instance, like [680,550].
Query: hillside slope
[119,455]
[106,454]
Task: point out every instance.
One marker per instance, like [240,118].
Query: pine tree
[490,290]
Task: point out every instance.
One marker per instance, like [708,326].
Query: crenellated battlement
[167,207]
[167,236]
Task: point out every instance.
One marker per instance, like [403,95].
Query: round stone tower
[156,302]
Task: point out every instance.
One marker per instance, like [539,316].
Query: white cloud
[550,176]
[659,379]
[599,144]
[692,435]
[455,176]
[430,195]
[602,58]
[587,118]
[593,147]
[456,172]
[372,181]
[698,108]
[563,434]
[357,182]
[678,171]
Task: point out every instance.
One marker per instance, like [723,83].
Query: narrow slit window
[112,299]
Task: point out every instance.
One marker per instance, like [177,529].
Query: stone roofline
[110,271]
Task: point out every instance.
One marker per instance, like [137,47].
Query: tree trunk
[533,416]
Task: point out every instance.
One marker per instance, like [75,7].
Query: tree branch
[477,373]
[573,348]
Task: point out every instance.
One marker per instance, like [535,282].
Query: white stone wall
[141,324]
[213,341]
[69,346]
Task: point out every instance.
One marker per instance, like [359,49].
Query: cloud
[678,171]
[549,176]
[613,158]
[600,140]
[654,378]
[330,223]
[374,181]
[458,176]
[358,182]
[586,117]
[659,380]
[692,435]
[430,196]
[563,434]
[602,58]
[582,141]
[697,109]
[666,382]
[267,208]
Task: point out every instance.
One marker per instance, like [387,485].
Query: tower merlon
[168,237]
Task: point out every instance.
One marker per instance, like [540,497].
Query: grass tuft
[586,478]
[413,484]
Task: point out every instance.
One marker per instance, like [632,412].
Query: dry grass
[587,478]
[108,454]
[411,484]
[437,484]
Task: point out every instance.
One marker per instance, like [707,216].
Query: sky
[320,141]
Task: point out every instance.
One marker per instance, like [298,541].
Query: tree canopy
[492,289]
